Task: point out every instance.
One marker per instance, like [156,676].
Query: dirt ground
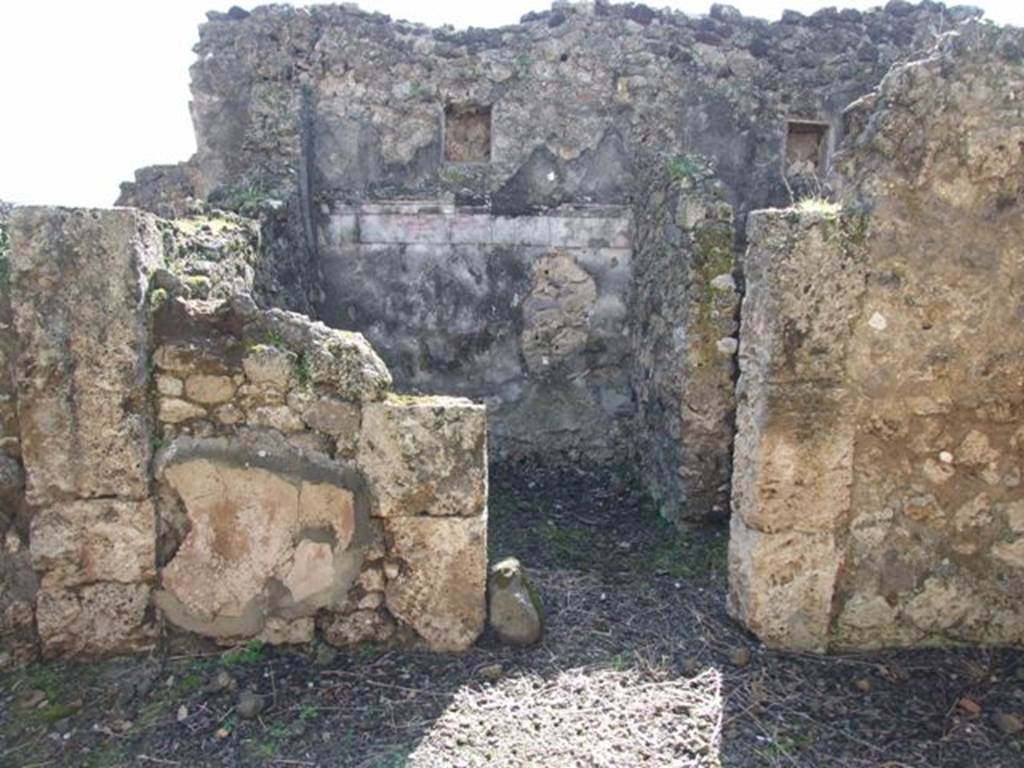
[640,666]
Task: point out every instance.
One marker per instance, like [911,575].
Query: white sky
[93,90]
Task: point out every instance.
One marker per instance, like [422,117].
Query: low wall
[248,473]
[527,313]
[294,489]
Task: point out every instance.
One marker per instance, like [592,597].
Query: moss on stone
[215,223]
[245,197]
[303,370]
[688,168]
[535,600]
[157,298]
[712,256]
[5,260]
[849,230]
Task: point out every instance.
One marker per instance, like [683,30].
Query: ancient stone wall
[365,106]
[684,320]
[877,489]
[304,116]
[194,463]
[526,313]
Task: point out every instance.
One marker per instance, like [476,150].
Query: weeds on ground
[53,707]
[699,556]
[367,651]
[108,756]
[275,736]
[250,653]
[570,543]
[784,747]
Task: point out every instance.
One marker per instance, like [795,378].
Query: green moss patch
[5,260]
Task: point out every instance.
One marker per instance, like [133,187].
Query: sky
[93,90]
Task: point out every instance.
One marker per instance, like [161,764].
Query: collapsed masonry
[192,462]
[545,217]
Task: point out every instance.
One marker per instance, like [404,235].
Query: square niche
[806,148]
[467,133]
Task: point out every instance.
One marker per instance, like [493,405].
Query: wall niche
[467,133]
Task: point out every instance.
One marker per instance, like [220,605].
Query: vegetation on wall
[5,259]
[688,168]
[245,198]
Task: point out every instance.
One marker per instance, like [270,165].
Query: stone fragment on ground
[1009,724]
[250,705]
[222,681]
[740,656]
[515,611]
[492,673]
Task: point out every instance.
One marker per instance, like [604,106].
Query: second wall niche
[806,148]
[467,133]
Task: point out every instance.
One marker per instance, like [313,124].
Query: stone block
[804,282]
[209,390]
[172,410]
[277,631]
[514,608]
[169,386]
[425,456]
[341,360]
[94,619]
[103,540]
[781,585]
[332,416]
[279,417]
[440,588]
[83,349]
[183,358]
[18,588]
[792,457]
[268,366]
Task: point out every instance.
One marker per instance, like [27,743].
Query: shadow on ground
[640,667]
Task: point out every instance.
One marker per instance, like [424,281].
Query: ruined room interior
[711,322]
